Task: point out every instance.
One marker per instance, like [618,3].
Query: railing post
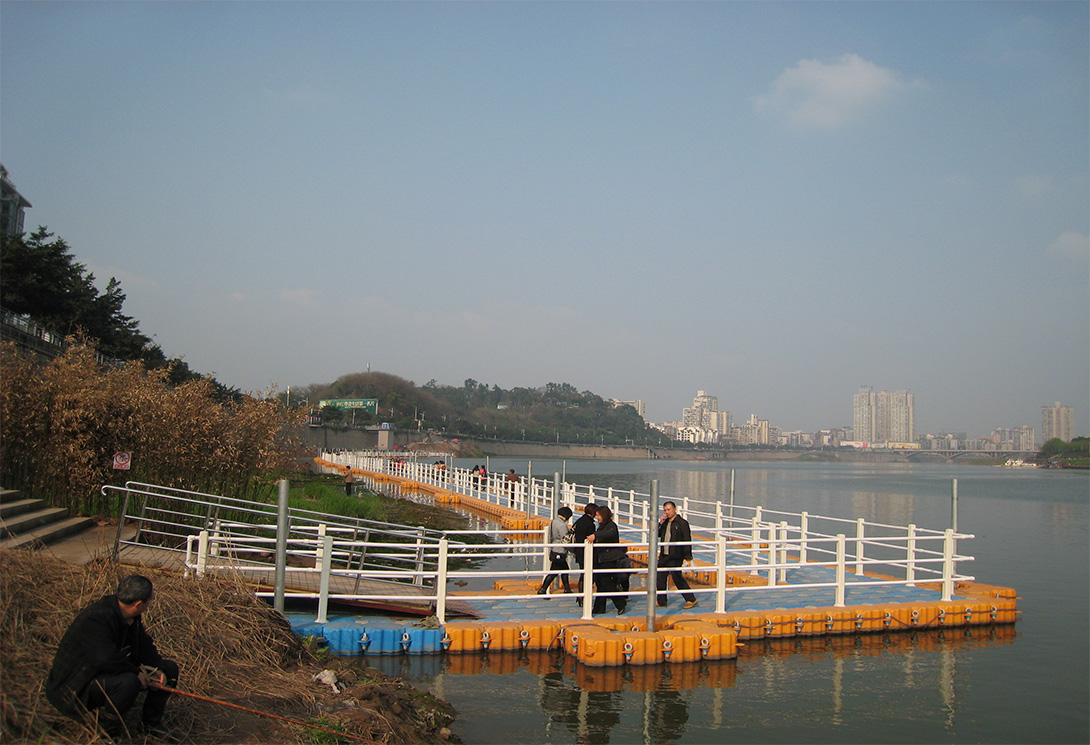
[910,559]
[323,588]
[202,553]
[804,530]
[652,557]
[948,565]
[841,571]
[773,548]
[418,579]
[718,517]
[281,546]
[859,546]
[754,541]
[783,552]
[720,573]
[545,563]
[556,492]
[588,581]
[320,544]
[441,583]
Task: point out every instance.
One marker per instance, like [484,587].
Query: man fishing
[106,658]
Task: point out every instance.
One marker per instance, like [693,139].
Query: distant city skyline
[878,417]
[774,202]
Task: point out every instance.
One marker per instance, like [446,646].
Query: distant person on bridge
[609,555]
[106,658]
[673,527]
[348,480]
[582,528]
[513,481]
[558,557]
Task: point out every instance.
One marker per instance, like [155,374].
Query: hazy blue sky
[774,202]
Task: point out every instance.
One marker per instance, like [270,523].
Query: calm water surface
[1026,683]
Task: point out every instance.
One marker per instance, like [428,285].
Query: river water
[1026,683]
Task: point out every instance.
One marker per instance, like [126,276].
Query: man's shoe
[661,603]
[542,590]
[690,604]
[620,611]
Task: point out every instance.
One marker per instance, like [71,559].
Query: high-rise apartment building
[705,415]
[863,415]
[1057,421]
[700,413]
[885,416]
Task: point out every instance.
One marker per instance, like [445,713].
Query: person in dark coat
[106,658]
[673,527]
[582,528]
[609,555]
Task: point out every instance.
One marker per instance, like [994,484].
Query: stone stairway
[25,523]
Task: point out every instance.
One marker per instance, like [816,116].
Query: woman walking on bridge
[609,554]
[558,557]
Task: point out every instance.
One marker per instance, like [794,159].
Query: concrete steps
[25,523]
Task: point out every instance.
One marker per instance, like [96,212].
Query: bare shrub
[61,423]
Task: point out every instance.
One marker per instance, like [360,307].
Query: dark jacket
[607,545]
[98,642]
[582,527]
[680,532]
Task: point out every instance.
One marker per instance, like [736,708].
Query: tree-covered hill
[555,412]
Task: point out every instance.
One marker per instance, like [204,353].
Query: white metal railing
[775,561]
[787,550]
[168,518]
[898,545]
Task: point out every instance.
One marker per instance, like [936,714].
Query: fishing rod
[210,700]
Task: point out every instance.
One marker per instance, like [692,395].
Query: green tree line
[551,413]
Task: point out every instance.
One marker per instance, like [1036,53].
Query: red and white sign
[122,460]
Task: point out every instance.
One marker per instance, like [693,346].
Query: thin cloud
[300,297]
[827,95]
[1071,246]
[1034,188]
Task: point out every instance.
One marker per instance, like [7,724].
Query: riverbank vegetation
[230,646]
[63,421]
[1057,453]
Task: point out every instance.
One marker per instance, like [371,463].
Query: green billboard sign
[370,405]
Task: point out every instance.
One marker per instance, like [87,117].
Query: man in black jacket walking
[106,658]
[582,527]
[673,527]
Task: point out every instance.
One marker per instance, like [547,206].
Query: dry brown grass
[61,423]
[229,645]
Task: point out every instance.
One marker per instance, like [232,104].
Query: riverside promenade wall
[329,438]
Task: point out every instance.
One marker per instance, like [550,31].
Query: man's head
[134,595]
[670,510]
[590,509]
[564,512]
